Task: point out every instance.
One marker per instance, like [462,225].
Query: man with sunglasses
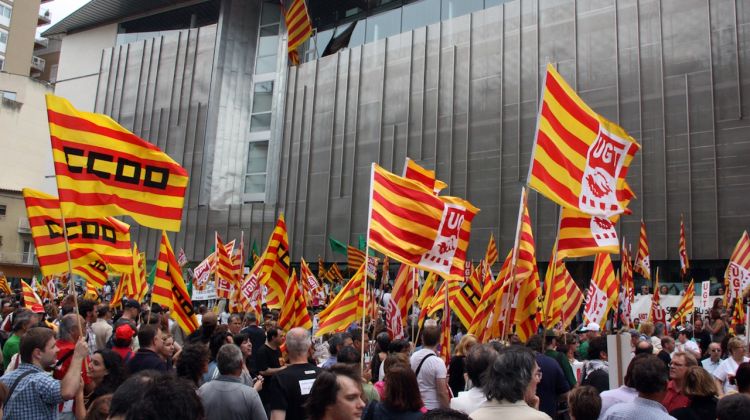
[714,358]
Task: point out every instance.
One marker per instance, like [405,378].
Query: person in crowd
[643,347]
[718,327]
[235,323]
[356,334]
[700,389]
[456,368]
[122,342]
[336,394]
[350,356]
[22,321]
[268,361]
[430,371]
[226,397]
[701,336]
[257,338]
[445,414]
[686,343]
[147,357]
[130,311]
[99,408]
[156,396]
[246,347]
[714,358]
[650,377]
[106,371]
[391,361]
[590,331]
[203,334]
[169,349]
[667,348]
[550,349]
[382,340]
[742,378]
[69,332]
[88,309]
[221,336]
[647,329]
[569,347]
[596,370]
[398,345]
[733,407]
[584,403]
[553,383]
[102,327]
[336,343]
[724,374]
[510,384]
[289,388]
[478,360]
[33,394]
[192,364]
[626,392]
[675,397]
[401,398]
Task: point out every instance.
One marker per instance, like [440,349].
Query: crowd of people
[80,359]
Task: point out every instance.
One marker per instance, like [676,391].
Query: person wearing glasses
[714,358]
[679,365]
[726,371]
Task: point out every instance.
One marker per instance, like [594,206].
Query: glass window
[3,40]
[455,8]
[358,35]
[269,30]
[2,209]
[420,14]
[271,13]
[257,155]
[255,184]
[490,3]
[267,45]
[325,37]
[265,64]
[383,25]
[5,11]
[263,97]
[260,122]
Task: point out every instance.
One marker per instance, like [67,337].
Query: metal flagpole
[71,282]
[514,257]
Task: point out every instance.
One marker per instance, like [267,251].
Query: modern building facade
[454,85]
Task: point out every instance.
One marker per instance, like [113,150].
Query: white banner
[705,291]
[208,293]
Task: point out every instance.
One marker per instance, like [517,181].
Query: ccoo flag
[105,170]
[170,290]
[580,159]
[90,240]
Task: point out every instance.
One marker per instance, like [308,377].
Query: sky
[58,9]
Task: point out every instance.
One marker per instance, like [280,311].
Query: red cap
[124,332]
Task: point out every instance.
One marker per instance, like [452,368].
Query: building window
[28,252]
[3,40]
[255,171]
[5,13]
[3,209]
[268,39]
[260,120]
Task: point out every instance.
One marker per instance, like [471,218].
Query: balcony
[41,43]
[37,64]
[43,19]
[23,226]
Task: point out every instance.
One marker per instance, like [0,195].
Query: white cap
[591,326]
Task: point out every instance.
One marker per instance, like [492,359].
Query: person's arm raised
[71,382]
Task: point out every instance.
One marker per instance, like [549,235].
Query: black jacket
[146,359]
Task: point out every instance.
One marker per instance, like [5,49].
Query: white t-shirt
[690,346]
[728,368]
[432,369]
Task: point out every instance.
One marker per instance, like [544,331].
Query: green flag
[253,254]
[363,245]
[337,246]
[151,276]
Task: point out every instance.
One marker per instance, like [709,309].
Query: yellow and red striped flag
[684,261]
[346,307]
[572,303]
[580,159]
[354,258]
[298,28]
[490,292]
[582,234]
[30,299]
[555,284]
[119,293]
[428,290]
[657,314]
[169,288]
[738,315]
[445,337]
[490,256]
[603,293]
[224,269]
[309,282]
[4,285]
[737,274]
[528,314]
[90,240]
[409,223]
[626,272]
[334,273]
[274,265]
[294,310]
[438,302]
[135,283]
[686,306]
[405,290]
[464,303]
[105,170]
[95,274]
[643,260]
[426,177]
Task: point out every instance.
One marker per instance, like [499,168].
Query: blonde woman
[456,370]
[724,374]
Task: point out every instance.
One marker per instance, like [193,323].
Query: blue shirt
[640,408]
[35,397]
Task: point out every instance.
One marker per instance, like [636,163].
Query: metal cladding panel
[462,96]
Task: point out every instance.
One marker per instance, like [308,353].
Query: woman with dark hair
[510,384]
[193,363]
[456,369]
[106,371]
[700,389]
[246,347]
[717,328]
[402,399]
[220,337]
[382,341]
[99,408]
[336,395]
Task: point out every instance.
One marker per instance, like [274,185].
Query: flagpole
[553,264]
[414,280]
[367,252]
[514,257]
[71,282]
